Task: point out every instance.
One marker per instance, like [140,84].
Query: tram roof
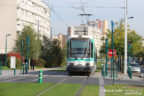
[81,36]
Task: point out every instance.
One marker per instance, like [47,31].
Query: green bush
[18,62]
[40,62]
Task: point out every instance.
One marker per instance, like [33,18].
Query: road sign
[13,62]
[110,52]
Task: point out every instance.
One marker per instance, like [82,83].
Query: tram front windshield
[80,48]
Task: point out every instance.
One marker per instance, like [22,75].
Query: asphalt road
[57,76]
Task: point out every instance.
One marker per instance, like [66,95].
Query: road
[57,76]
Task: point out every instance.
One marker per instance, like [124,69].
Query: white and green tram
[81,54]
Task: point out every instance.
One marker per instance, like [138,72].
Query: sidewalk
[10,73]
[125,77]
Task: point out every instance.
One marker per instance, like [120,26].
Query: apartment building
[18,13]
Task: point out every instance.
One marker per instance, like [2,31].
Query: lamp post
[6,49]
[126,23]
[125,68]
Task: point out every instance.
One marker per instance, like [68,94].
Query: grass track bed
[90,90]
[123,90]
[27,89]
[4,86]
[63,90]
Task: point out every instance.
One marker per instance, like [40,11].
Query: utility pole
[125,68]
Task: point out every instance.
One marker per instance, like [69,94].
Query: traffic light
[129,44]
[129,41]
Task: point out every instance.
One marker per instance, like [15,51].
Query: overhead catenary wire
[59,17]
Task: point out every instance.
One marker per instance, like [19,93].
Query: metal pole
[6,52]
[0,68]
[14,71]
[113,49]
[28,40]
[111,67]
[21,54]
[106,66]
[125,68]
[6,49]
[129,49]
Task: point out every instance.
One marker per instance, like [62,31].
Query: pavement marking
[101,86]
[52,86]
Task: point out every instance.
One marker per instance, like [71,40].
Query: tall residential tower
[18,13]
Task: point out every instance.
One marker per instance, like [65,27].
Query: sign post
[106,65]
[112,23]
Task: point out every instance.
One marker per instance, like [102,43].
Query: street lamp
[126,13]
[126,23]
[6,49]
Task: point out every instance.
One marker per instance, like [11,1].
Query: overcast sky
[65,15]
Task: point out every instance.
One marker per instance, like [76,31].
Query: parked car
[135,67]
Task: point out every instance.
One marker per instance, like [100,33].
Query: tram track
[82,86]
[42,92]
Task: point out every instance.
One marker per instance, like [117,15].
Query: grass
[123,90]
[4,86]
[90,90]
[63,90]
[37,67]
[99,66]
[32,89]
[27,89]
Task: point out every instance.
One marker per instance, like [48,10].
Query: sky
[64,13]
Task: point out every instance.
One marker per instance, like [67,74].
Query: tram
[81,54]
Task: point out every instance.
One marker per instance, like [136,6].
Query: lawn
[124,90]
[63,90]
[32,89]
[90,90]
[4,86]
[99,66]
[22,89]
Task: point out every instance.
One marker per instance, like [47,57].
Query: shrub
[40,62]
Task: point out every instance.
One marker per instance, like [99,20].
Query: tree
[35,42]
[51,52]
[136,40]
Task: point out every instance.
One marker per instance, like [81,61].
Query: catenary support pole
[125,68]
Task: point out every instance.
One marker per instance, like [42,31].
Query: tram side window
[91,50]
